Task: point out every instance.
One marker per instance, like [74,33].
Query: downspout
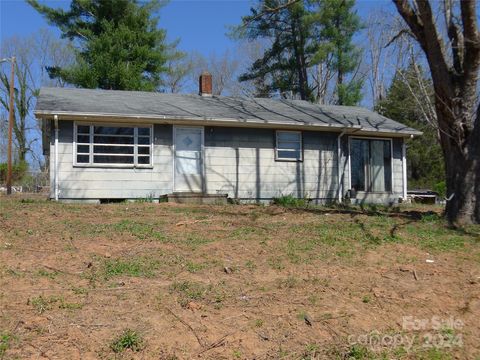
[404,169]
[55,167]
[339,154]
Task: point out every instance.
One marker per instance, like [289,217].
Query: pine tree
[424,155]
[117,41]
[335,23]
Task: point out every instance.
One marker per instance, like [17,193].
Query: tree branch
[422,24]
[412,20]
[471,36]
[399,35]
[455,36]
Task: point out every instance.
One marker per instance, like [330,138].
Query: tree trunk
[455,80]
[462,166]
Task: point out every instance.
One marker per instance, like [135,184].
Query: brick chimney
[205,84]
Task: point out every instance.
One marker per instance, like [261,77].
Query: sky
[200,25]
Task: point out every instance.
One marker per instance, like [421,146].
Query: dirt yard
[163,281]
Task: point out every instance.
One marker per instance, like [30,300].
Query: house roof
[88,103]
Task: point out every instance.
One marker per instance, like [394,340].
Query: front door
[188,162]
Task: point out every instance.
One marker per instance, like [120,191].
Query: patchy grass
[135,266]
[290,281]
[137,229]
[42,304]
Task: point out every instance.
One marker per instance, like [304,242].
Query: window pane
[83,149]
[288,136]
[114,145]
[377,172]
[282,154]
[371,165]
[84,129]
[359,159]
[387,161]
[97,149]
[143,140]
[83,139]
[144,160]
[82,159]
[113,140]
[105,159]
[289,145]
[144,150]
[144,131]
[105,130]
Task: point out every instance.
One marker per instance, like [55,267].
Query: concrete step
[194,198]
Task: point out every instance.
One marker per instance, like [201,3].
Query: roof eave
[230,122]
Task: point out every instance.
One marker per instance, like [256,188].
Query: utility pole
[10,128]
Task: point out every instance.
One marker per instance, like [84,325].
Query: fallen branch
[415,275]
[187,325]
[214,344]
[191,222]
[331,317]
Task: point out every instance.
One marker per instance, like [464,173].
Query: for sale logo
[435,332]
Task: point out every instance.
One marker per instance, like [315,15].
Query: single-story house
[106,144]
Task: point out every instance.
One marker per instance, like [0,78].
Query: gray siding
[238,161]
[397,176]
[96,183]
[241,162]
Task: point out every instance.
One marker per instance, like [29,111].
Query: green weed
[5,340]
[49,274]
[129,339]
[290,201]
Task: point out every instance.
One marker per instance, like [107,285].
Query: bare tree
[179,68]
[322,76]
[224,69]
[33,54]
[51,52]
[454,62]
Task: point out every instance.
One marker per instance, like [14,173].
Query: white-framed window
[371,164]
[288,146]
[113,145]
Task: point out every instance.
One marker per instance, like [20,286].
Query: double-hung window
[371,165]
[108,145]
[288,146]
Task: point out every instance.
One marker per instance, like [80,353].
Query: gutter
[55,166]
[339,154]
[404,170]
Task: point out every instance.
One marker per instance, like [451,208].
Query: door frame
[202,153]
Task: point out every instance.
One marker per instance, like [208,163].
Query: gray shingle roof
[215,108]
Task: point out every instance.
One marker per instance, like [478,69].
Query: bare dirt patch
[163,281]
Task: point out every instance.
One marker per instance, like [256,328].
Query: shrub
[441,188]
[18,171]
[290,201]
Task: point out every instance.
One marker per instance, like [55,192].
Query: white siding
[241,162]
[97,183]
[238,161]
